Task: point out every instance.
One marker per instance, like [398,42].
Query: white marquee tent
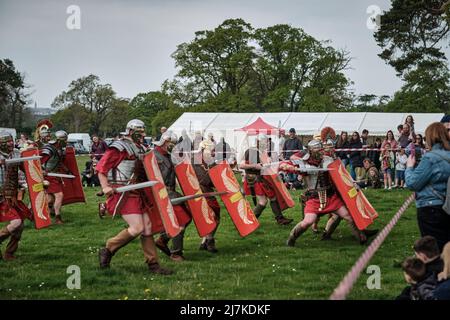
[305,123]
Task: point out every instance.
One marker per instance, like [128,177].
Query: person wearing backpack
[430,182]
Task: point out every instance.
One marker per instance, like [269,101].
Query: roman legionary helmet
[135,129]
[43,129]
[5,137]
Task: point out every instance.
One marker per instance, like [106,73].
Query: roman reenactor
[11,209]
[52,160]
[256,186]
[201,169]
[122,165]
[42,134]
[162,151]
[321,196]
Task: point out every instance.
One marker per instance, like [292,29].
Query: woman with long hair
[390,139]
[429,180]
[340,144]
[410,121]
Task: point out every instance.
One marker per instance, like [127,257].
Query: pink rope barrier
[346,285]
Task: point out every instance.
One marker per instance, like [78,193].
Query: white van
[82,138]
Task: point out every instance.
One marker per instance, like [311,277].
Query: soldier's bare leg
[344,214]
[57,206]
[300,228]
[261,205]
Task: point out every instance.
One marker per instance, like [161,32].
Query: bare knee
[136,229]
[15,225]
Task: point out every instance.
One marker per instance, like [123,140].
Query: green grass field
[257,267]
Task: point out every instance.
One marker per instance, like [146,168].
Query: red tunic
[20,211]
[261,189]
[333,203]
[132,202]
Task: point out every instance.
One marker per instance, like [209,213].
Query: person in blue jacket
[429,181]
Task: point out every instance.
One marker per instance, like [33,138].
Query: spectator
[399,131]
[374,156]
[442,291]
[371,175]
[446,121]
[365,142]
[161,131]
[387,165]
[410,122]
[425,249]
[343,143]
[429,180]
[365,138]
[356,160]
[400,167]
[406,137]
[23,143]
[418,148]
[422,285]
[390,139]
[291,145]
[98,148]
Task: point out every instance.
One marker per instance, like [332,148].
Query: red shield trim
[359,207]
[201,212]
[237,206]
[72,188]
[38,198]
[161,196]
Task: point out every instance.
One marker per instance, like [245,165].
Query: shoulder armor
[126,145]
[48,149]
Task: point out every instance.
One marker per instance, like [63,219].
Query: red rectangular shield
[157,225]
[38,198]
[72,188]
[237,206]
[201,212]
[161,196]
[357,204]
[270,175]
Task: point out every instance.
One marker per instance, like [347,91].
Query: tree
[427,89]
[413,31]
[216,61]
[166,118]
[290,61]
[87,92]
[145,106]
[74,118]
[13,95]
[116,120]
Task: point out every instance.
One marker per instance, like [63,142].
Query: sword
[23,159]
[60,175]
[180,200]
[135,186]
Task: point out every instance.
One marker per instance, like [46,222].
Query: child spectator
[387,165]
[422,286]
[400,167]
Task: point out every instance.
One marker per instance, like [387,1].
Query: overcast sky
[128,43]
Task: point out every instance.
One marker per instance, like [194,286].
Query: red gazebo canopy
[259,126]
